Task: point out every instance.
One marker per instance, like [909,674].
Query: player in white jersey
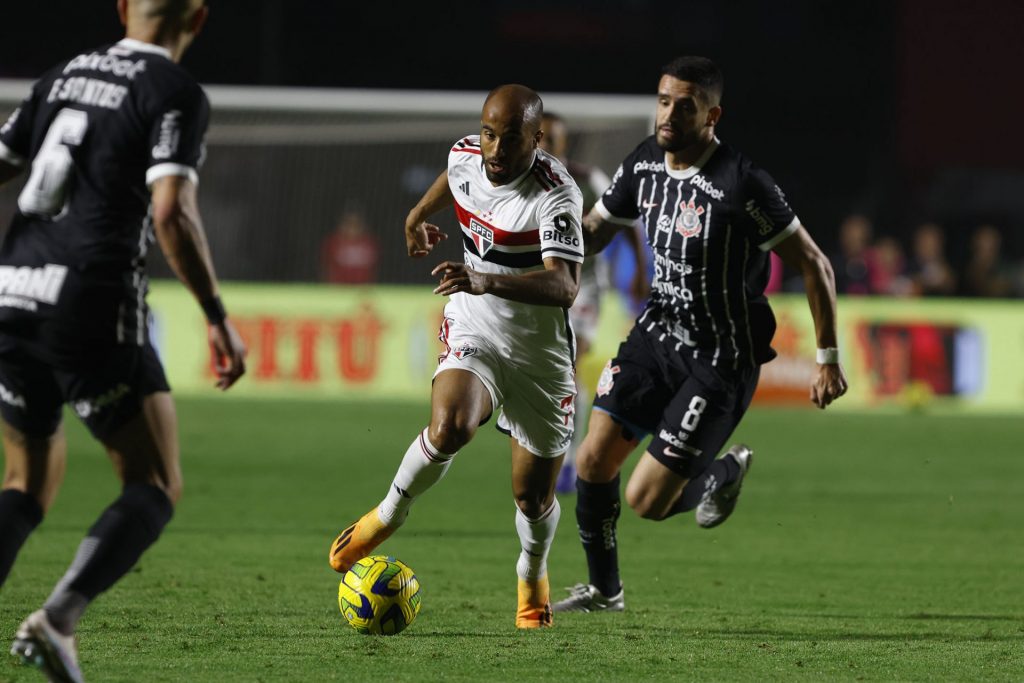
[506,329]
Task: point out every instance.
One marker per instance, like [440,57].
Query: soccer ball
[379,595]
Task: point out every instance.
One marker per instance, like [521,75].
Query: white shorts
[537,411]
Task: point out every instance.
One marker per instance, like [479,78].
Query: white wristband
[829,356]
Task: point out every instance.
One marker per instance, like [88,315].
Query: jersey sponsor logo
[464,187]
[607,379]
[464,351]
[688,223]
[705,185]
[23,287]
[676,443]
[88,91]
[87,407]
[561,234]
[483,237]
[764,223]
[654,166]
[170,133]
[11,398]
[666,267]
[107,63]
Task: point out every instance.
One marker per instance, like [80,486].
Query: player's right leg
[34,446]
[459,403]
[598,462]
[144,449]
[33,471]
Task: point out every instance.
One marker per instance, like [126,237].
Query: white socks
[536,536]
[422,467]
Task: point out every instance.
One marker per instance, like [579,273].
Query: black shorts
[691,407]
[105,390]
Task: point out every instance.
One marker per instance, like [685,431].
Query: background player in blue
[688,369]
[113,139]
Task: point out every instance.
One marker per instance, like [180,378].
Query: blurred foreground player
[113,140]
[586,310]
[688,368]
[506,330]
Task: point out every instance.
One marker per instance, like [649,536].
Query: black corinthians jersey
[710,228]
[94,134]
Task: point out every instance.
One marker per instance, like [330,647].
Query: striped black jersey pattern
[710,229]
[93,134]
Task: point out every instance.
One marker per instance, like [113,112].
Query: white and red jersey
[510,229]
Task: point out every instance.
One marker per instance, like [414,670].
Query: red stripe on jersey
[501,237]
[467,150]
[545,184]
[551,175]
[467,141]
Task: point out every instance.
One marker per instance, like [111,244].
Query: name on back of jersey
[89,91]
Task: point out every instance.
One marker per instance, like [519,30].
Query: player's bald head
[164,9]
[515,104]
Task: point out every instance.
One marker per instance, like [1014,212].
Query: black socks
[20,513]
[719,473]
[597,512]
[111,548]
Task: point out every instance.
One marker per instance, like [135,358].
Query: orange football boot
[358,541]
[534,604]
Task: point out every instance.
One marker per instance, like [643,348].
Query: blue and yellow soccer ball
[379,595]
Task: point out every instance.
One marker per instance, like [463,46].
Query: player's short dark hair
[700,71]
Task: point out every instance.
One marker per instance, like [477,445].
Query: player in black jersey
[688,369]
[113,140]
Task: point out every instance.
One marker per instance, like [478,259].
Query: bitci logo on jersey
[688,223]
[483,237]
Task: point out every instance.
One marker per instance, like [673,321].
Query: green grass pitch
[866,547]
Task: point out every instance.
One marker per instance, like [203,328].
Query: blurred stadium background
[889,125]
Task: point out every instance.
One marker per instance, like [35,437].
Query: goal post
[286,166]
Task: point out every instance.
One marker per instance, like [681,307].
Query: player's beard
[682,140]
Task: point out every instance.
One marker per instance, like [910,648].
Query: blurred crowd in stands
[867,264]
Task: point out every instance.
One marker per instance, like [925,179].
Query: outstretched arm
[421,237]
[800,253]
[179,230]
[556,285]
[598,232]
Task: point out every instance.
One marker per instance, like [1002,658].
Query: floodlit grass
[865,548]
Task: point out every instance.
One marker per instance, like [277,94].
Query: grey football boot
[716,507]
[584,597]
[41,645]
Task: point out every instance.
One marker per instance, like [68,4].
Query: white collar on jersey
[695,169]
[139,46]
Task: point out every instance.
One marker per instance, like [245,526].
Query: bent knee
[592,466]
[534,505]
[645,504]
[450,433]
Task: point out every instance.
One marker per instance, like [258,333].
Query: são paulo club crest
[688,224]
[464,351]
[607,379]
[483,237]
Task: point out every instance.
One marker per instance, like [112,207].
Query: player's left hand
[829,385]
[457,277]
[228,353]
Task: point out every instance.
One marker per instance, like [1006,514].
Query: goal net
[289,168]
